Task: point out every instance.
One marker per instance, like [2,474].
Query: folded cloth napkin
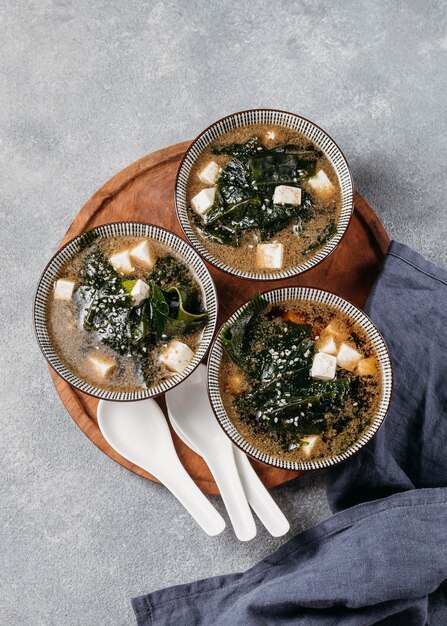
[382,558]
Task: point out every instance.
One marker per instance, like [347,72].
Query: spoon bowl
[140,433]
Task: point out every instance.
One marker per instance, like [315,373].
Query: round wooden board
[144,192]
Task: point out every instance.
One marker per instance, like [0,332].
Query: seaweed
[244,194]
[277,355]
[281,168]
[236,337]
[87,238]
[107,308]
[169,271]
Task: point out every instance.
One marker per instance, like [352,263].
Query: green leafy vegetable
[160,308]
[173,308]
[280,168]
[277,356]
[168,271]
[244,195]
[236,337]
[87,238]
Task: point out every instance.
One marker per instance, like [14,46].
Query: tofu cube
[327,345]
[176,356]
[323,366]
[121,262]
[103,365]
[308,444]
[321,184]
[210,173]
[204,200]
[63,289]
[284,194]
[348,357]
[269,256]
[270,134]
[367,367]
[143,254]
[140,292]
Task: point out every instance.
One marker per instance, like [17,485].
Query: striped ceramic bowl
[265,116]
[386,374]
[136,229]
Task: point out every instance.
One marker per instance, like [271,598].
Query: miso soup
[125,313]
[300,380]
[263,199]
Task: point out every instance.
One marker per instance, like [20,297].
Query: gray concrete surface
[88,87]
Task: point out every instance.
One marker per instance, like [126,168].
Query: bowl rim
[214,298]
[316,464]
[223,267]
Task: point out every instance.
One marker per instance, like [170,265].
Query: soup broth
[279,390]
[266,184]
[125,313]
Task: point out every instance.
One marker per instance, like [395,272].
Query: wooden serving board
[144,191]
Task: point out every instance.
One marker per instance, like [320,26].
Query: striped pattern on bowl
[314,295]
[135,229]
[281,118]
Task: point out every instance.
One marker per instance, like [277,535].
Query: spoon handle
[181,485]
[259,498]
[224,470]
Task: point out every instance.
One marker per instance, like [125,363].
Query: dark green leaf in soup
[218,232]
[284,354]
[282,397]
[275,217]
[244,194]
[280,168]
[168,271]
[184,313]
[87,238]
[141,322]
[159,308]
[304,153]
[237,202]
[237,337]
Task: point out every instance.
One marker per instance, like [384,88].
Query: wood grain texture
[144,192]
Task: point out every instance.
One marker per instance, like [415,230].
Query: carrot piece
[295,318]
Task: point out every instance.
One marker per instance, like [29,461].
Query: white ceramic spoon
[189,412]
[259,498]
[140,433]
[257,495]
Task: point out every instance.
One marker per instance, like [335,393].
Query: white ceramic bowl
[265,116]
[136,229]
[386,374]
